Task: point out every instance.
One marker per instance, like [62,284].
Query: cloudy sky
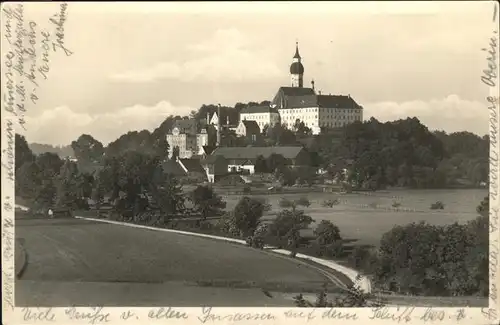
[135,64]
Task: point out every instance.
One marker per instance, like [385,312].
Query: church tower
[297,69]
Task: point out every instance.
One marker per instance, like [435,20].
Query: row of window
[295,117]
[321,109]
[343,117]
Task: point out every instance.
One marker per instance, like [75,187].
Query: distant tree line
[402,153]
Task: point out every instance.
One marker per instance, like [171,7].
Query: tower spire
[297,55]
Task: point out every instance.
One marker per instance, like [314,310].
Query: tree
[147,143]
[293,204]
[363,258]
[87,149]
[423,259]
[275,161]
[132,174]
[301,130]
[484,207]
[260,165]
[328,241]
[67,186]
[36,180]
[98,191]
[167,193]
[49,163]
[45,194]
[288,221]
[28,180]
[207,202]
[247,214]
[280,135]
[22,151]
[327,233]
[175,153]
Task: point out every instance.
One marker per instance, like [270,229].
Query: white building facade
[185,142]
[263,115]
[188,137]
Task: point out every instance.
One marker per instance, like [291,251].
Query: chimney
[227,120]
[312,84]
[218,126]
[208,117]
[319,92]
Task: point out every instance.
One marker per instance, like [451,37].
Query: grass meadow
[366,216]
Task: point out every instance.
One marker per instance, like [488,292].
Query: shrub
[285,203]
[115,216]
[303,201]
[226,225]
[206,225]
[353,297]
[327,233]
[330,203]
[333,250]
[437,206]
[362,258]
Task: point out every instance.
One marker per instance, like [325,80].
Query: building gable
[280,99]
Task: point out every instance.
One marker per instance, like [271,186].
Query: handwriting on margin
[490,73]
[8,153]
[300,314]
[397,315]
[96,315]
[126,315]
[334,313]
[32,66]
[38,314]
[209,316]
[166,313]
[59,20]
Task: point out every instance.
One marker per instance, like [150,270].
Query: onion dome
[297,68]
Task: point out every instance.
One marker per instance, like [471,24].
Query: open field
[63,252]
[358,220]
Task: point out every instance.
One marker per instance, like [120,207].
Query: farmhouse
[215,167]
[242,159]
[249,130]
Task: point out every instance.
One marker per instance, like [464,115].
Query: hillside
[61,151]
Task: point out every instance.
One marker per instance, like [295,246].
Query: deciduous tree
[207,202]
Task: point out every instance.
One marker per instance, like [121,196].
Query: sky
[134,64]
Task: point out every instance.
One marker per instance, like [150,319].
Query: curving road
[80,262]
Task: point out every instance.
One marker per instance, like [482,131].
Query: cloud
[450,114]
[61,125]
[228,56]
